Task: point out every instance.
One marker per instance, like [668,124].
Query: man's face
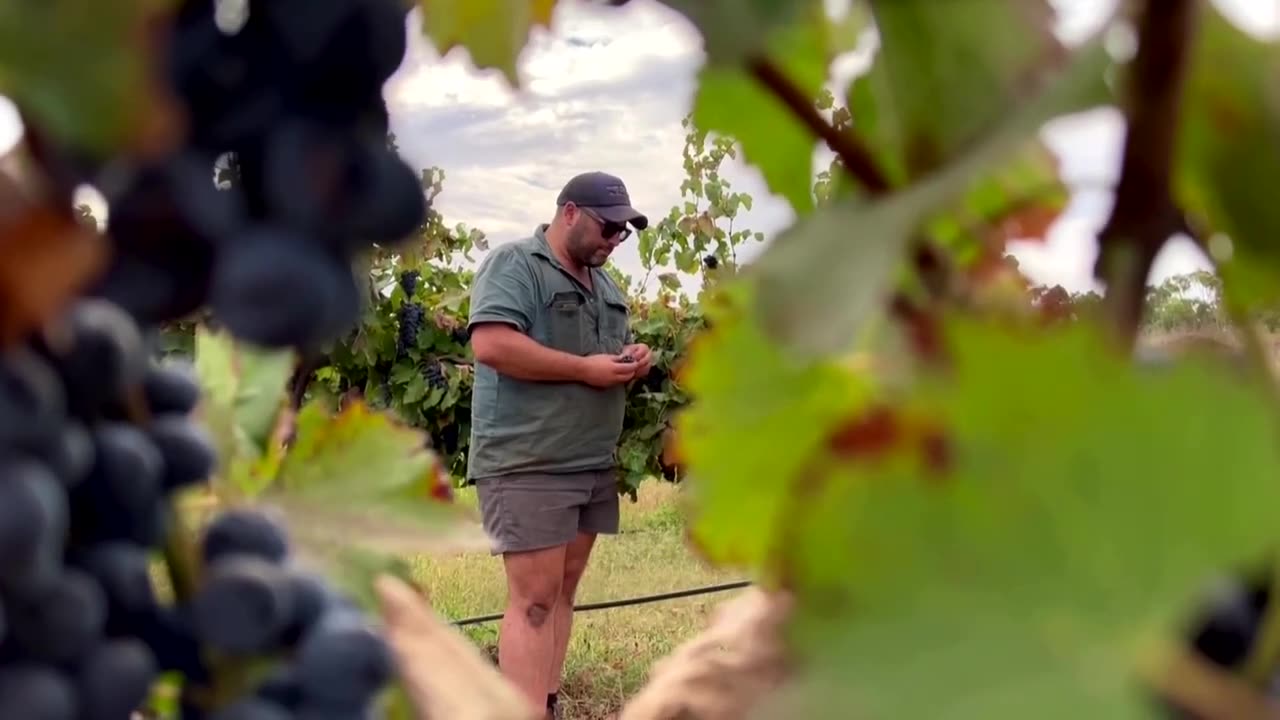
[591,239]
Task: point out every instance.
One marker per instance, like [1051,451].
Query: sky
[606,88]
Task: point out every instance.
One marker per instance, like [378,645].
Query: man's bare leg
[575,563]
[526,639]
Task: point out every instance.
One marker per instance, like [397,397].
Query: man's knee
[537,613]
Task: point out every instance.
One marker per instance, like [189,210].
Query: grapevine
[959,496]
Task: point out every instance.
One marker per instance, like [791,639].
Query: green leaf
[819,282]
[732,102]
[262,392]
[733,31]
[1036,524]
[493,32]
[416,390]
[1230,137]
[245,390]
[78,67]
[941,78]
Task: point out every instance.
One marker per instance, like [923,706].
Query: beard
[583,251]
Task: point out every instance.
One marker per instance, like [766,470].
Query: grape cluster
[409,319]
[289,104]
[433,373]
[255,603]
[94,439]
[409,282]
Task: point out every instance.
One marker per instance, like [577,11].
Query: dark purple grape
[240,531]
[114,680]
[243,606]
[32,691]
[343,661]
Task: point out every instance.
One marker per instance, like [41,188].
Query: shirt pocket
[565,322]
[613,326]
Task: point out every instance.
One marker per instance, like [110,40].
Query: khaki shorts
[541,510]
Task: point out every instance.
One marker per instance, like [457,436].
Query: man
[554,352]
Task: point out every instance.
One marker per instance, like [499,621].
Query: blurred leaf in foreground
[1033,553]
[493,32]
[735,31]
[732,102]
[942,79]
[1227,170]
[79,68]
[820,280]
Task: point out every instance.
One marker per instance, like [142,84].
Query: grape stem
[857,159]
[180,555]
[1144,215]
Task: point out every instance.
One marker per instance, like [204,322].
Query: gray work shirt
[520,426]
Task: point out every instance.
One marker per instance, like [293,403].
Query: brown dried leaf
[443,673]
[723,672]
[46,257]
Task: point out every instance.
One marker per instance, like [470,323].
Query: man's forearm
[520,356]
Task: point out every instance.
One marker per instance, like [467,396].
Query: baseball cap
[605,194]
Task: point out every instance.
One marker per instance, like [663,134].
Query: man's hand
[606,370]
[642,358]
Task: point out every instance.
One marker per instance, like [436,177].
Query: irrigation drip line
[642,600]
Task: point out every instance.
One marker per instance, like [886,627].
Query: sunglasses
[608,228]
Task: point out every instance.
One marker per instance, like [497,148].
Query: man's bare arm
[511,352]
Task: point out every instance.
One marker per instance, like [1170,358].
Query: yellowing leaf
[364,472]
[779,410]
[493,32]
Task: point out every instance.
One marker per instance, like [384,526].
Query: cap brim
[623,214]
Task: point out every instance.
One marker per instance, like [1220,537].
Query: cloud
[605,89]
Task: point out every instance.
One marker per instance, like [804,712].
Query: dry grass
[611,650]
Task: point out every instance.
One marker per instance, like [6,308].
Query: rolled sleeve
[503,291]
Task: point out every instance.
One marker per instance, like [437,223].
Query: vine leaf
[819,281]
[99,105]
[362,471]
[941,79]
[734,31]
[1018,201]
[244,393]
[1055,555]
[493,32]
[1226,152]
[732,102]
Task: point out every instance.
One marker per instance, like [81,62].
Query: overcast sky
[606,89]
